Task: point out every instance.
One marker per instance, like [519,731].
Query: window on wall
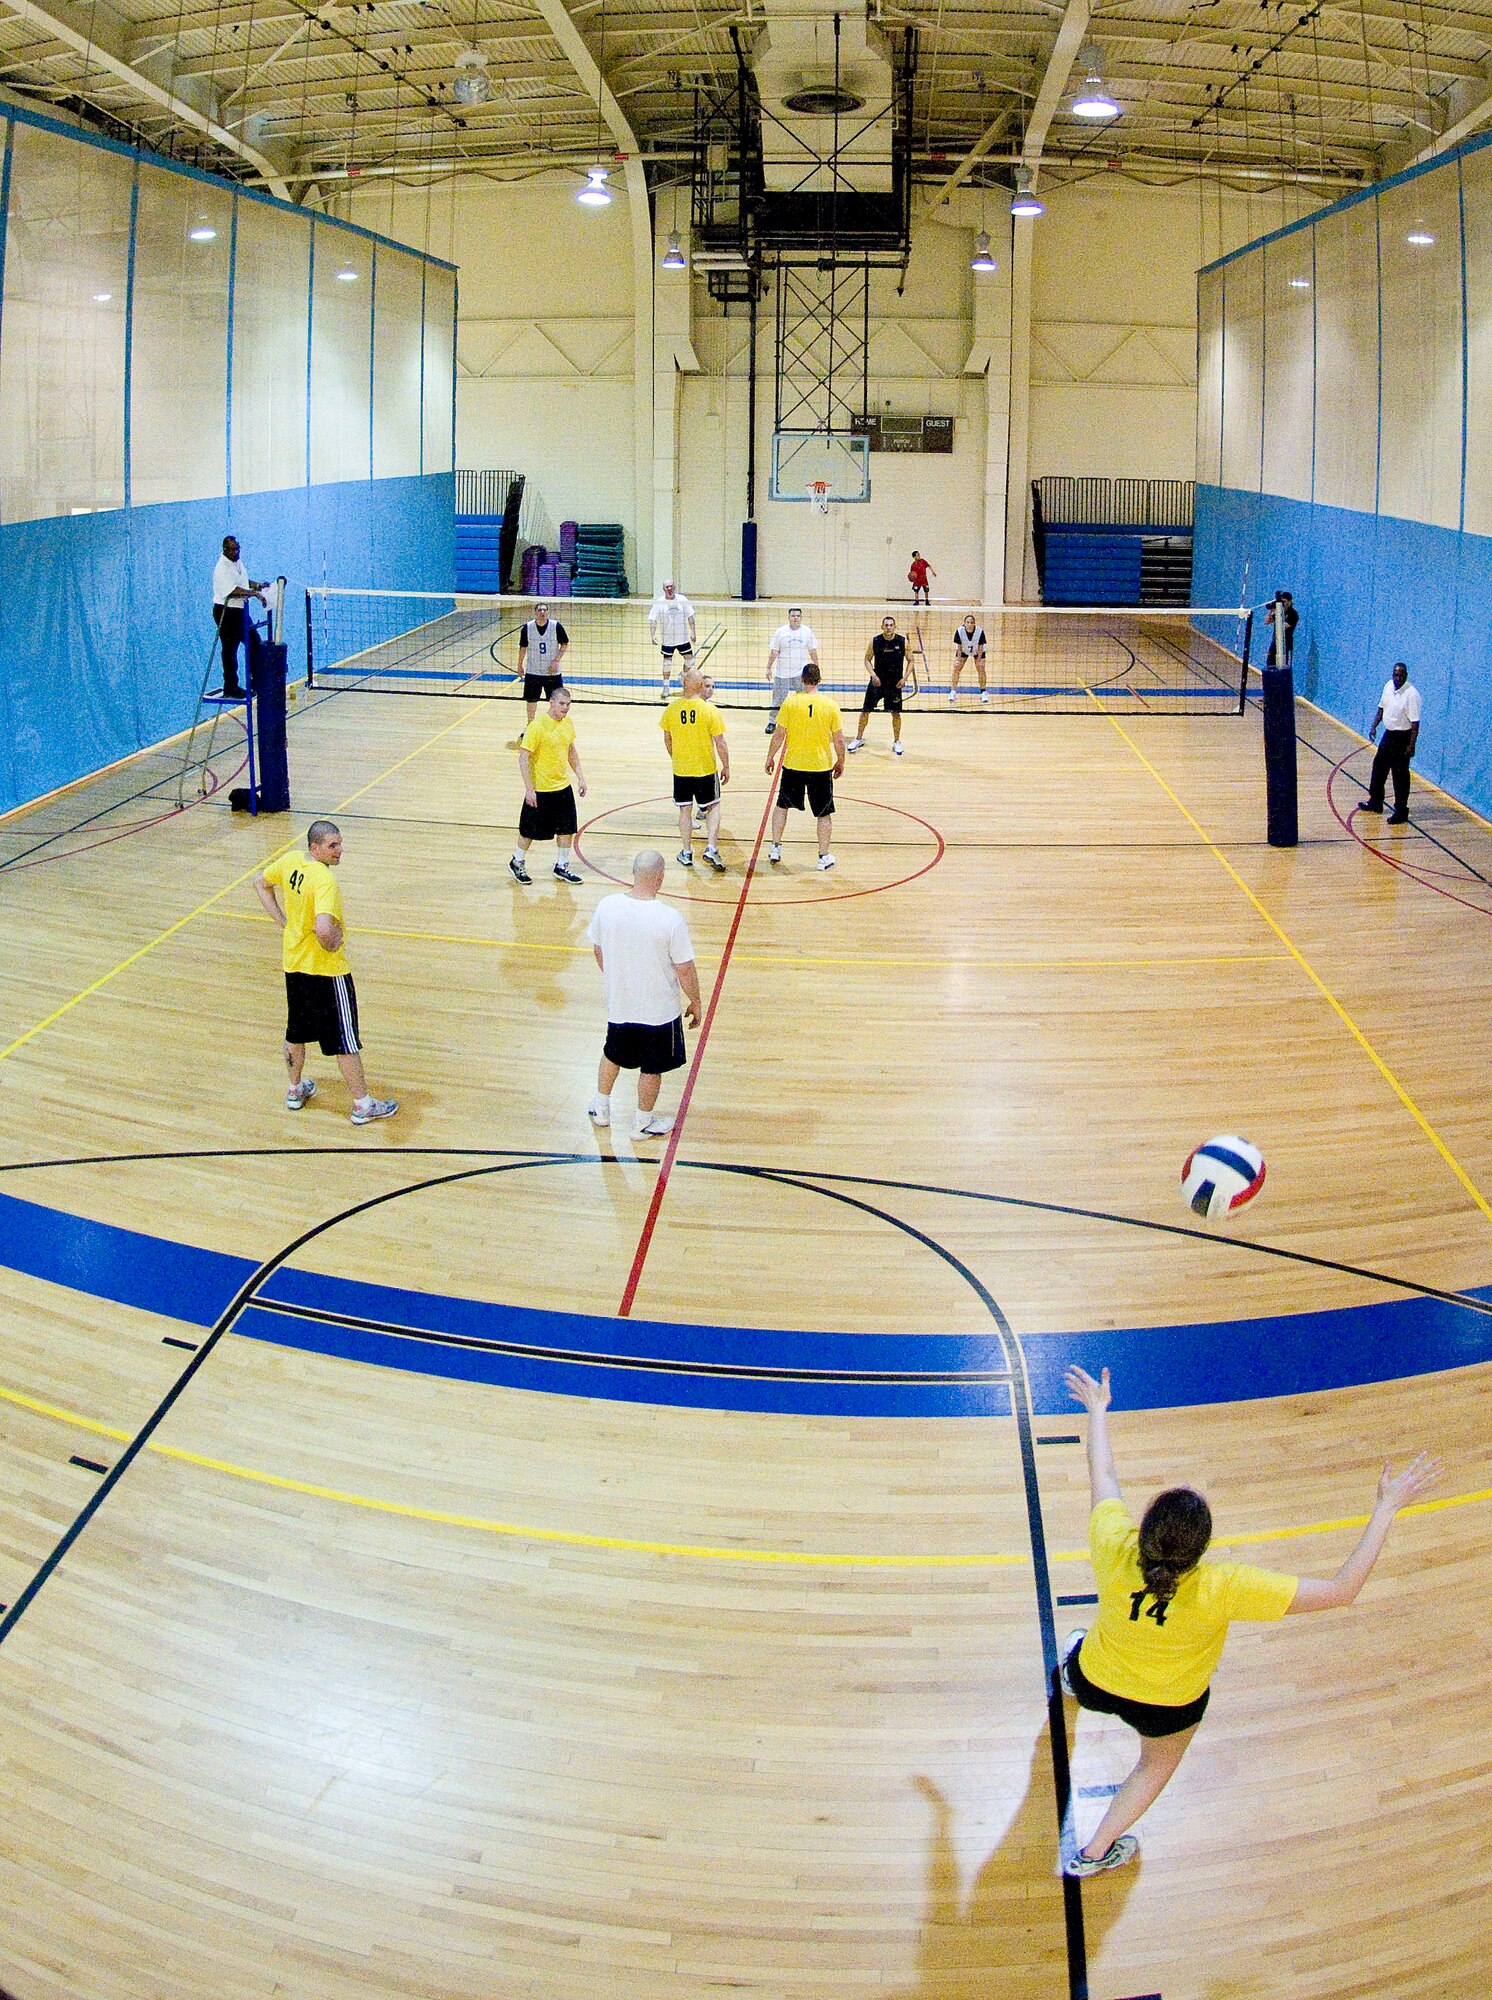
[62,355]
[179,339]
[1347,357]
[271,330]
[398,334]
[341,354]
[440,366]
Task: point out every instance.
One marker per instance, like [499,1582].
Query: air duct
[805,75]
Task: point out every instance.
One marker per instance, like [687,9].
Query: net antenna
[818,493]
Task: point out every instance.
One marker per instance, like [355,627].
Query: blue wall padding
[106,619]
[1370,589]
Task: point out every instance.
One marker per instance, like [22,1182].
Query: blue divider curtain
[181,358]
[1344,448]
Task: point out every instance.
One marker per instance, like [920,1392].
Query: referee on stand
[232,588]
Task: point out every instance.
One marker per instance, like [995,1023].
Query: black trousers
[1392,754]
[229,620]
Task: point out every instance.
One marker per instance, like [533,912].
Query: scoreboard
[906,433]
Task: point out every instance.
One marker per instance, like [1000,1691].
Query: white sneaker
[952,697]
[774,852]
[984,694]
[897,751]
[299,1095]
[378,1107]
[826,861]
[648,1125]
[685,857]
[666,692]
[1124,1849]
[599,1110]
[1069,1653]
[857,743]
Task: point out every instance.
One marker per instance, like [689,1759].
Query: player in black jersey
[886,657]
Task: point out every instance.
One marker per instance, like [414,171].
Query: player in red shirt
[917,577]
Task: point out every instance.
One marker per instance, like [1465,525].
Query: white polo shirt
[670,618]
[1400,705]
[227,577]
[641,940]
[793,650]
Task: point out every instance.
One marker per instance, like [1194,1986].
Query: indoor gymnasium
[744,772]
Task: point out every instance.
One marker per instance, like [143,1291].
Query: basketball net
[818,493]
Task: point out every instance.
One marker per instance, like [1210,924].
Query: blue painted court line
[741,1368]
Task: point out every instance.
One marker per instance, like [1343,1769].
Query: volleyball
[1222,1175]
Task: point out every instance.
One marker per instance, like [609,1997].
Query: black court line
[1080,1597]
[1072,1439]
[1415,1287]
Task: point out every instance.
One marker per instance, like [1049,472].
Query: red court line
[670,1153]
[1392,860]
[781,902]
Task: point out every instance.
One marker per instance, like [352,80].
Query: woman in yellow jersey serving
[1163,1615]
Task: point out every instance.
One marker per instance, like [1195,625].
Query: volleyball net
[1034,658]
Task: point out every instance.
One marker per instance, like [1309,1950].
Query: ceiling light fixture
[1300,284]
[471,84]
[595,193]
[1024,201]
[202,232]
[102,298]
[348,274]
[1093,101]
[673,257]
[1420,235]
[982,260]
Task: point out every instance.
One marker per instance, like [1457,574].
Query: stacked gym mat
[600,563]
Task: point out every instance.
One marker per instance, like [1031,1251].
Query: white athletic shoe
[897,750]
[984,694]
[1069,1653]
[299,1095]
[599,1110]
[774,852]
[1124,1849]
[648,1125]
[952,697]
[377,1107]
[825,861]
[666,692]
[685,857]
[857,743]
[715,860]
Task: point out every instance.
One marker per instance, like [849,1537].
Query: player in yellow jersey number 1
[809,737]
[694,734]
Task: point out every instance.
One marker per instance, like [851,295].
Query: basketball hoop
[818,493]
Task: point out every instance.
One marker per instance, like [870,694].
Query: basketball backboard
[837,459]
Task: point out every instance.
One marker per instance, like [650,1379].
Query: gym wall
[283,377]
[1344,450]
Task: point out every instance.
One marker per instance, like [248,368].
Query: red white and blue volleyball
[1222,1176]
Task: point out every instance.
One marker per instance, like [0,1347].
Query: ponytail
[1173,1539]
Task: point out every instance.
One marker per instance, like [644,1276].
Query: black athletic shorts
[554,814]
[539,687]
[640,1045]
[704,791]
[813,788]
[1150,1718]
[322,1007]
[877,692]
[686,651]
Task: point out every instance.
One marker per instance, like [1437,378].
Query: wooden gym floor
[636,1571]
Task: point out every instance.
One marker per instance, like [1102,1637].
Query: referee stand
[263,705]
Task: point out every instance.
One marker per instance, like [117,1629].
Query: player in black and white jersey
[542,644]
[968,644]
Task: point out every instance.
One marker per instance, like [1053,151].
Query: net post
[310,659]
[1248,646]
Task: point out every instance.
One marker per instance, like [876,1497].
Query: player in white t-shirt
[1398,711]
[793,648]
[647,961]
[968,644]
[671,626]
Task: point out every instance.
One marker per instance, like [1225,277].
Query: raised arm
[1103,1474]
[1395,1490]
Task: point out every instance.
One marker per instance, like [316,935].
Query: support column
[640,219]
[1018,473]
[673,354]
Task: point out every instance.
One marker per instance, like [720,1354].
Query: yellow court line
[760,958]
[700,1552]
[161,937]
[1306,967]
